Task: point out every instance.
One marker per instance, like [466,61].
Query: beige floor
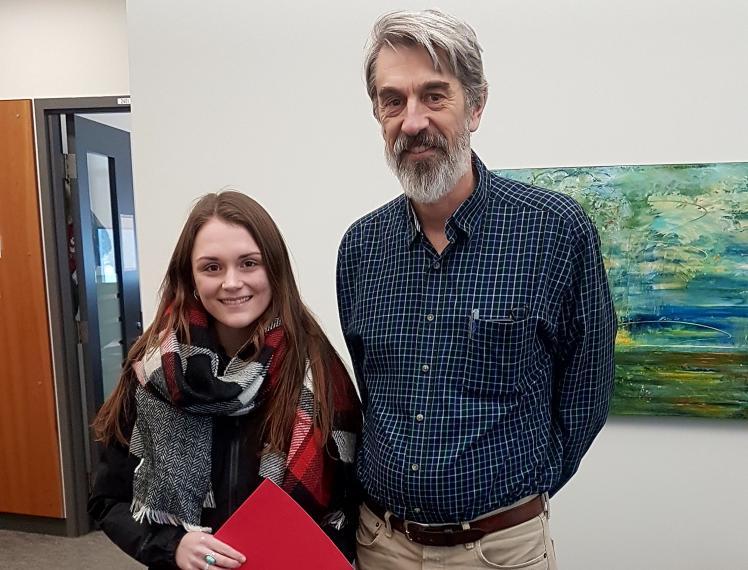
[42,552]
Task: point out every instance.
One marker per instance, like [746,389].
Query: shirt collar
[466,218]
[468,215]
[412,225]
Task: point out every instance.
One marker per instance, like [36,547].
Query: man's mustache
[424,138]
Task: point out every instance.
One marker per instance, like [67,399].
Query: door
[30,475]
[103,251]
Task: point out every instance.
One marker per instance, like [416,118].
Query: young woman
[234,381]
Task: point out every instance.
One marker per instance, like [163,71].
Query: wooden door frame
[68,384]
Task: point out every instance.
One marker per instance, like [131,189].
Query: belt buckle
[427,531]
[406,523]
[407,531]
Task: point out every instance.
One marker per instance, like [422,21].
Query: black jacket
[235,465]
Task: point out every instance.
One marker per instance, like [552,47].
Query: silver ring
[210,559]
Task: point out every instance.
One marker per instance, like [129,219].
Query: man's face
[425,122]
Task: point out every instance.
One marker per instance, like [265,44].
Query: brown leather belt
[453,534]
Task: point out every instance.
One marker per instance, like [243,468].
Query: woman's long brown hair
[305,339]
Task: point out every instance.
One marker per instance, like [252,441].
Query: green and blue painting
[675,243]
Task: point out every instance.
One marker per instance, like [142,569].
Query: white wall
[70,48]
[268,96]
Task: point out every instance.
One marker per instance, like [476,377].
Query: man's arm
[347,270]
[585,372]
[345,277]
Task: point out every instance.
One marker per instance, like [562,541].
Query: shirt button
[419,417]
[429,317]
[425,368]
[437,265]
[416,510]
[414,467]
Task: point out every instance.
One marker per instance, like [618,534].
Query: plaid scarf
[181,391]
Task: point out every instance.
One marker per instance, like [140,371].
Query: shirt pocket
[499,350]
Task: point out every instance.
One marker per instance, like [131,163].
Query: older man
[479,320]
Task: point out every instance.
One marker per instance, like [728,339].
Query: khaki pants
[527,546]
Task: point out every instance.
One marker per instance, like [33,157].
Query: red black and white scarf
[179,394]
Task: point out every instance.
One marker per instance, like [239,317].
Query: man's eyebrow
[437,85]
[384,91]
[428,86]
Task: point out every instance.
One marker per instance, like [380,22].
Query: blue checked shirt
[485,371]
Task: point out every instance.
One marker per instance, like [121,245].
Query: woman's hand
[194,546]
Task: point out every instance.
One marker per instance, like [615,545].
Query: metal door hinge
[71,170]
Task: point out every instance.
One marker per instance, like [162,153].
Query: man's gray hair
[439,34]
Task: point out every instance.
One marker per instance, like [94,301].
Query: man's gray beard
[426,181]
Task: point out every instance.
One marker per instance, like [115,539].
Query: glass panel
[108,291]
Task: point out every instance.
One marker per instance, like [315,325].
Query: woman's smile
[236,301]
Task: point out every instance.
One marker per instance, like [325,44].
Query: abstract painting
[675,243]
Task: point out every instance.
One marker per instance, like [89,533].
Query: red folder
[275,533]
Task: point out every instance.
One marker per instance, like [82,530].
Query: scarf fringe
[210,500]
[141,513]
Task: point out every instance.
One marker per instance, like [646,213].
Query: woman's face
[230,279]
